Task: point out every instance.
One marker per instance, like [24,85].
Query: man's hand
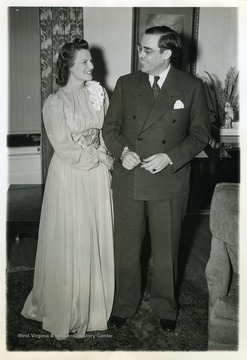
[130,160]
[156,163]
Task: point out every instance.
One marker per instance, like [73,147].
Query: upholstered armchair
[222,270]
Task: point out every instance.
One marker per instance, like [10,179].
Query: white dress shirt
[162,78]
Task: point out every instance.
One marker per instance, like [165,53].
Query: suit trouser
[165,218]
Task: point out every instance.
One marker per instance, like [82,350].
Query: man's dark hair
[169,39]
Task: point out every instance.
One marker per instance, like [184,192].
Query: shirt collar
[162,76]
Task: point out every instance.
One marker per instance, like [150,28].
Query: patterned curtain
[57,26]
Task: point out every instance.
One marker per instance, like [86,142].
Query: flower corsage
[96,94]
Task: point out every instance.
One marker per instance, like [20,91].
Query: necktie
[156,88]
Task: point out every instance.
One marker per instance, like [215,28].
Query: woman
[74,272]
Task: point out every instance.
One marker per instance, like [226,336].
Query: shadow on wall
[100,70]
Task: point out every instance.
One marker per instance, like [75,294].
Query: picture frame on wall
[184,20]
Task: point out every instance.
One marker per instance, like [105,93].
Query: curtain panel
[57,26]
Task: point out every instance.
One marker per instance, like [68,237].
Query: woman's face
[82,68]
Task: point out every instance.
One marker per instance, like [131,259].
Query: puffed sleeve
[61,140]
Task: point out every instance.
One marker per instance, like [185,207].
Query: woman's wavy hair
[169,39]
[66,59]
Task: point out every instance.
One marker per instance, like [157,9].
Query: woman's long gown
[74,271]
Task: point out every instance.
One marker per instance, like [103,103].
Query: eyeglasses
[146,50]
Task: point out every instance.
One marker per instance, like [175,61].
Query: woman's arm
[61,140]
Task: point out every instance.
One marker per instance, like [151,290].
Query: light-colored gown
[74,270]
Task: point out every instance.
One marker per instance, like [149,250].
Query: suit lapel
[145,100]
[168,95]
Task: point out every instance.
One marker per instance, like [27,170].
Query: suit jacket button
[163,141]
[134,117]
[174,120]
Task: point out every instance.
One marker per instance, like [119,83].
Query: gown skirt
[74,271]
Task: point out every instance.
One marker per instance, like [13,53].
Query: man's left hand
[156,163]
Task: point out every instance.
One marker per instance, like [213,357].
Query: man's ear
[167,54]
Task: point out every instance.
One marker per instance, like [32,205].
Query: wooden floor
[24,204]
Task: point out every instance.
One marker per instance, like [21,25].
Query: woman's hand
[106,159]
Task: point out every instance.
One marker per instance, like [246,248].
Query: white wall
[110,29]
[217,41]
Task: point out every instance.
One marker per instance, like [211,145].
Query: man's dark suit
[147,127]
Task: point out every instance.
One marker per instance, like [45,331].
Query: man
[153,135]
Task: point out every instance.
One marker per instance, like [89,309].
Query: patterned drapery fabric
[57,26]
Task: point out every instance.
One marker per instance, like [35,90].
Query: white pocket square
[178,105]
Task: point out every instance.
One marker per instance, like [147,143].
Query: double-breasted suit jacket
[148,127]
